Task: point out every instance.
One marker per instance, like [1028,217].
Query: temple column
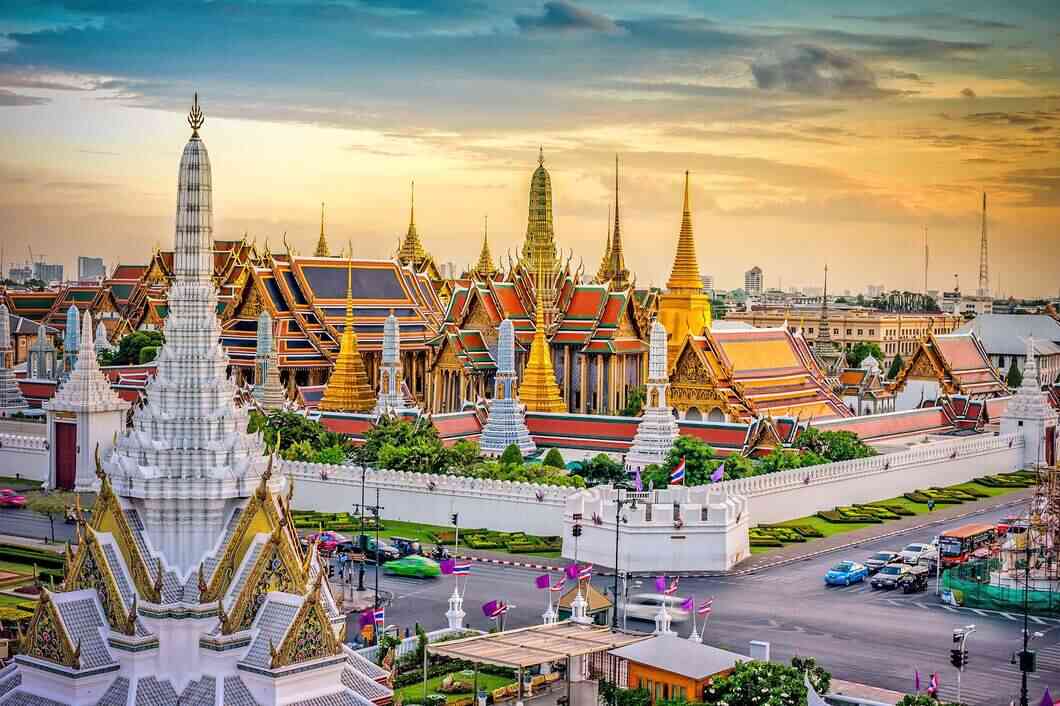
[567,378]
[583,367]
[599,397]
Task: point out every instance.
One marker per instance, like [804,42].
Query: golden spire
[685,273]
[347,389]
[603,273]
[322,242]
[617,266]
[539,391]
[411,251]
[485,269]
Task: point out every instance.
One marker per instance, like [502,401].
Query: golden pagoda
[684,309]
[411,251]
[322,242]
[539,391]
[484,268]
[603,272]
[348,389]
[619,274]
[539,248]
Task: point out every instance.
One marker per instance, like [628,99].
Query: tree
[333,455]
[130,348]
[602,469]
[1014,378]
[463,454]
[834,445]
[820,678]
[292,429]
[862,350]
[147,354]
[699,461]
[512,456]
[918,700]
[611,695]
[896,367]
[402,445]
[51,505]
[554,459]
[634,402]
[718,308]
[758,684]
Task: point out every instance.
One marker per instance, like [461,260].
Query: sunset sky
[815,131]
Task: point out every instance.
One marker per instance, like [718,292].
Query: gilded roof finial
[541,155]
[322,242]
[412,204]
[685,272]
[195,117]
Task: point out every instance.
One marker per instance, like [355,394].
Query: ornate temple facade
[189,585]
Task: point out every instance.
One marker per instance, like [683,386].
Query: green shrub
[840,518]
[916,497]
[554,459]
[20,555]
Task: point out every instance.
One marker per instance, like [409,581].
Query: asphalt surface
[26,523]
[879,638]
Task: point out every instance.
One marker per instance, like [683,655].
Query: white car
[913,553]
[645,606]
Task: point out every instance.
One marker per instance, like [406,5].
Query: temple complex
[684,310]
[947,365]
[538,254]
[189,585]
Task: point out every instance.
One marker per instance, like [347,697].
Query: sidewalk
[815,547]
[30,543]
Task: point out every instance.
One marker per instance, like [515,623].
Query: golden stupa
[485,269]
[322,242]
[411,251]
[348,389]
[539,391]
[684,309]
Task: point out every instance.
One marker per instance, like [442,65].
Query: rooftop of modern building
[1006,334]
[681,656]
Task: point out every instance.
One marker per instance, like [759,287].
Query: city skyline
[813,135]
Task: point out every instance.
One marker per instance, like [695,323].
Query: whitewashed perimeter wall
[431,499]
[24,456]
[797,493]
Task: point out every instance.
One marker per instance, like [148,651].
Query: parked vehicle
[645,606]
[9,498]
[913,553]
[406,546]
[879,560]
[413,565]
[380,553]
[914,580]
[845,573]
[957,546]
[887,577]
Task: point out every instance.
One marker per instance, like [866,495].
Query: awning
[538,644]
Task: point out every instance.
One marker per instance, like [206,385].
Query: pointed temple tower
[268,390]
[828,354]
[391,399]
[539,248]
[322,242]
[539,391]
[603,272]
[84,414]
[42,361]
[684,309]
[506,423]
[619,275]
[1030,414]
[189,584]
[348,389]
[11,399]
[484,268]
[411,251]
[71,339]
[658,427]
[102,343]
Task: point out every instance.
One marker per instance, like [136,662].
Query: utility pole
[984,263]
[360,535]
[926,261]
[374,509]
[959,655]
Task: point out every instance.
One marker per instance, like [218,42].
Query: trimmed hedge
[839,518]
[893,507]
[22,555]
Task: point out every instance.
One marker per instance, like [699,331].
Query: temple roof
[958,361]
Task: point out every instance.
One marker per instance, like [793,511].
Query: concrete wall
[797,493]
[24,456]
[415,497]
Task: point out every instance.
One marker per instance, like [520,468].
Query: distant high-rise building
[708,282]
[874,290]
[46,272]
[19,274]
[90,268]
[752,281]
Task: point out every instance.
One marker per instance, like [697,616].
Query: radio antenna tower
[984,267]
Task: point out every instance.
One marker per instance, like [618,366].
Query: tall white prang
[188,455]
[658,427]
[506,423]
[11,399]
[391,398]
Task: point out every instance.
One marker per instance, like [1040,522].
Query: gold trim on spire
[411,251]
[539,391]
[484,268]
[322,242]
[347,389]
[195,117]
[603,273]
[617,266]
[685,272]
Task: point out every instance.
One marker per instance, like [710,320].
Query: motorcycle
[440,553]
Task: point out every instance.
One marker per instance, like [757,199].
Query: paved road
[25,523]
[878,638]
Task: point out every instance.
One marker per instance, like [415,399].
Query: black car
[379,554]
[888,577]
[879,560]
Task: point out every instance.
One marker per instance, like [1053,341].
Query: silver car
[913,553]
[645,606]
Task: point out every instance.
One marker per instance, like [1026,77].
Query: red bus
[957,545]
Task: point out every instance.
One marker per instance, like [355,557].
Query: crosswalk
[1003,684]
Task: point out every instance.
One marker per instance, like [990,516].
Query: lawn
[7,601]
[413,693]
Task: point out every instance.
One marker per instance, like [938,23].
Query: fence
[409,643]
[972,588]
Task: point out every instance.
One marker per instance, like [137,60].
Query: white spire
[391,397]
[657,429]
[87,388]
[5,329]
[506,423]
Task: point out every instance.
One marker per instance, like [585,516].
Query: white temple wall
[24,456]
[914,392]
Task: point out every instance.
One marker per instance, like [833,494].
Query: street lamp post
[360,535]
[620,501]
[960,654]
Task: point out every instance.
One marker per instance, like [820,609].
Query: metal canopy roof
[538,644]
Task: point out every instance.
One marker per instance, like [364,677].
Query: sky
[816,133]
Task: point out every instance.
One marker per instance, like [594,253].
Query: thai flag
[559,584]
[494,609]
[585,573]
[462,569]
[380,616]
[677,475]
[673,586]
[706,607]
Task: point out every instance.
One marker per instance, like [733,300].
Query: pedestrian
[931,504]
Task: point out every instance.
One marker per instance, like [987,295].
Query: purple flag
[543,581]
[447,565]
[1047,698]
[916,680]
[637,482]
[687,604]
[718,474]
[494,608]
[660,583]
[571,571]
[367,617]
